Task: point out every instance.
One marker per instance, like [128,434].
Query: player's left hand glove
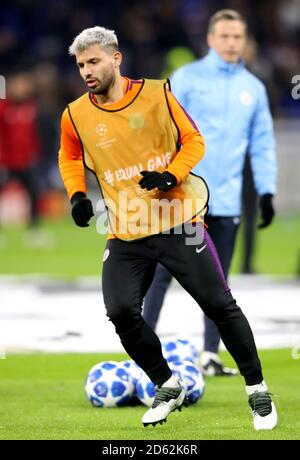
[266,209]
[163,181]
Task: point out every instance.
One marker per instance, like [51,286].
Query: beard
[104,84]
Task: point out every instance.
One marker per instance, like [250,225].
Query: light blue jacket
[230,108]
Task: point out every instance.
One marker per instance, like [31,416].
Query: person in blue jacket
[230,106]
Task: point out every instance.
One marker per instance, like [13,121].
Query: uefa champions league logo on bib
[101,129]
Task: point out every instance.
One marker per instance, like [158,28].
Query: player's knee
[220,306]
[123,316]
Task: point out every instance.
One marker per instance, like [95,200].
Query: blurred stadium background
[50,281]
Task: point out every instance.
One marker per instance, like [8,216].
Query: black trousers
[128,270]
[222,231]
[249,217]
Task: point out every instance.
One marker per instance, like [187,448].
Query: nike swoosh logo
[198,250]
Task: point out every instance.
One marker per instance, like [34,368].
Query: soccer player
[230,106]
[142,146]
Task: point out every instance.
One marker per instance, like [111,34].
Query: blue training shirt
[230,107]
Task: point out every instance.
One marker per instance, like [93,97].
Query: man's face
[228,39]
[98,67]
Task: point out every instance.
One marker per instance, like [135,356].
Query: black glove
[163,181]
[266,209]
[82,209]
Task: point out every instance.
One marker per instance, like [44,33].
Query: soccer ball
[135,373]
[133,369]
[179,349]
[109,384]
[145,389]
[191,379]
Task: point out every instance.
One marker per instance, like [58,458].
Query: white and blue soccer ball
[191,379]
[145,389]
[134,371]
[179,349]
[109,384]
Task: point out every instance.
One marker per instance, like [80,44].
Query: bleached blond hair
[93,36]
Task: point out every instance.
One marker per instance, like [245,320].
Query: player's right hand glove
[82,209]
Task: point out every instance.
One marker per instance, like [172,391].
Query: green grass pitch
[42,397]
[78,251]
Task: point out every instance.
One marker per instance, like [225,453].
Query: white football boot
[262,407]
[166,401]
